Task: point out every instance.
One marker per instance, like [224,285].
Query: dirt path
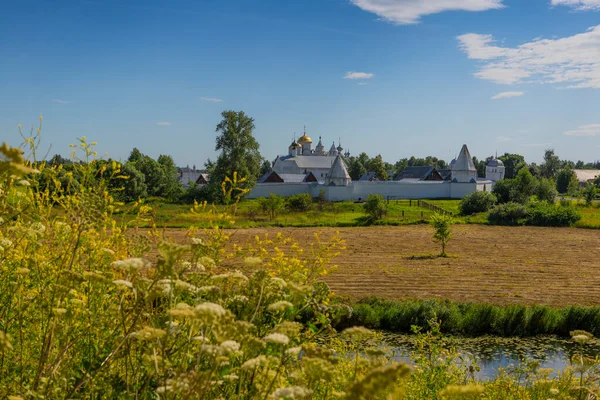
[554,266]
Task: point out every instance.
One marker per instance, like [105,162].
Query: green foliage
[375,207]
[566,181]
[551,164]
[356,169]
[299,202]
[513,163]
[589,193]
[376,165]
[132,188]
[477,202]
[507,214]
[473,319]
[239,153]
[272,205]
[541,213]
[442,223]
[546,190]
[535,213]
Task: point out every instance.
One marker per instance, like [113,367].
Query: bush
[477,202]
[507,214]
[546,190]
[589,194]
[375,207]
[299,202]
[272,205]
[545,214]
[536,213]
[502,190]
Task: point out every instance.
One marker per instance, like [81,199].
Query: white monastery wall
[280,189]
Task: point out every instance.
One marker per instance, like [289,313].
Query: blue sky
[500,75]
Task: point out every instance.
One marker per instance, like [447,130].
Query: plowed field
[499,265]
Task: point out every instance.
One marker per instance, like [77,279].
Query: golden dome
[304,139]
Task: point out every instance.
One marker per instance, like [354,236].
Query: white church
[312,171]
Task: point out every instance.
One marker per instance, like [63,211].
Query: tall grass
[473,319]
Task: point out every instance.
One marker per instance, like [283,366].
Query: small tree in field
[589,194]
[375,207]
[441,223]
[272,205]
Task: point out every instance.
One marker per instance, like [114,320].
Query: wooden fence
[432,207]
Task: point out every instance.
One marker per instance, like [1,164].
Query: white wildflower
[201,339]
[59,311]
[292,392]
[280,306]
[108,251]
[294,351]
[149,333]
[197,241]
[182,310]
[23,182]
[279,282]
[182,285]
[554,391]
[123,283]
[130,264]
[277,338]
[5,243]
[229,346]
[210,310]
[209,349]
[37,227]
[231,377]
[255,362]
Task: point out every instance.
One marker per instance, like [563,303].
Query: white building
[495,170]
[333,178]
[302,159]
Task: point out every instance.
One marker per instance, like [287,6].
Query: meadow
[486,264]
[339,214]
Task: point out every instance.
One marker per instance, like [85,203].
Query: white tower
[332,150]
[306,143]
[463,170]
[495,170]
[338,174]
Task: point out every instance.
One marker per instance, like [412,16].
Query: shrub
[299,202]
[541,213]
[502,190]
[272,205]
[546,190]
[477,202]
[507,214]
[589,194]
[375,207]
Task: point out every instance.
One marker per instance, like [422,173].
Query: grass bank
[473,319]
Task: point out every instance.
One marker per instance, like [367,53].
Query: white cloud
[505,95]
[585,130]
[59,101]
[213,99]
[411,11]
[362,83]
[582,5]
[358,75]
[503,139]
[548,144]
[164,123]
[572,61]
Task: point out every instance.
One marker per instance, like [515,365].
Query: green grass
[473,319]
[340,214]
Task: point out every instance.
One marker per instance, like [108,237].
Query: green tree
[171,189]
[239,153]
[154,175]
[477,202]
[356,169]
[551,164]
[132,188]
[376,165]
[135,155]
[442,223]
[512,164]
[566,181]
[272,205]
[589,194]
[524,186]
[375,207]
[546,190]
[265,167]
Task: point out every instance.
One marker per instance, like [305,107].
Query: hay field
[499,265]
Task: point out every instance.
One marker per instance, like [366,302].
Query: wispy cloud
[59,101]
[522,131]
[358,75]
[503,139]
[362,83]
[164,123]
[585,130]
[573,61]
[213,99]
[548,144]
[410,11]
[506,95]
[582,5]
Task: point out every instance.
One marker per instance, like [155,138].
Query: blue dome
[495,163]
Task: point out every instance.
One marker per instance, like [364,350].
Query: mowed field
[499,265]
